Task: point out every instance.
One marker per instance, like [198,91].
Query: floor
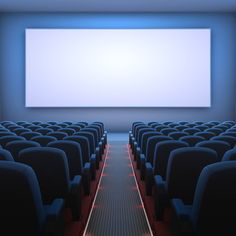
[117,208]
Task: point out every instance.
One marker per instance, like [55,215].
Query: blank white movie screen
[117,67]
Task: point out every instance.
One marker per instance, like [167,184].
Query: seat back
[162,153]
[151,145]
[166,131]
[67,130]
[58,135]
[73,154]
[216,131]
[90,137]
[51,167]
[192,140]
[29,135]
[6,133]
[206,135]
[230,155]
[219,146]
[16,146]
[145,137]
[229,139]
[84,144]
[43,140]
[20,200]
[6,139]
[44,131]
[177,134]
[191,131]
[214,205]
[5,155]
[183,169]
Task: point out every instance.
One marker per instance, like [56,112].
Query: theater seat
[5,155]
[213,211]
[219,146]
[192,140]
[43,140]
[75,161]
[6,139]
[22,210]
[51,168]
[230,155]
[15,147]
[183,169]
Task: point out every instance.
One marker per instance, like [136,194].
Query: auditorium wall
[12,66]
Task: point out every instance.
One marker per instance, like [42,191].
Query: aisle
[117,209]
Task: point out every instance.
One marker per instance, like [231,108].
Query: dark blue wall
[223,69]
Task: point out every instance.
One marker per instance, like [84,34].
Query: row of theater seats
[46,167]
[190,167]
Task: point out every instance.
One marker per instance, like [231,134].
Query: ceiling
[117,5]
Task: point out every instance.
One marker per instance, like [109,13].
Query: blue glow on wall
[12,66]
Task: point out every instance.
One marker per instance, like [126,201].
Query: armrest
[75,183]
[160,184]
[54,210]
[142,158]
[148,167]
[138,151]
[93,166]
[87,167]
[182,211]
[98,155]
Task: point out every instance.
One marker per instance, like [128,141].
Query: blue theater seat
[22,210]
[58,135]
[177,134]
[93,149]
[229,139]
[206,135]
[86,153]
[44,131]
[30,134]
[6,139]
[191,131]
[213,211]
[6,133]
[5,155]
[43,140]
[16,146]
[51,168]
[75,161]
[192,140]
[67,130]
[183,169]
[146,161]
[19,131]
[214,130]
[160,161]
[219,146]
[166,131]
[230,155]
[228,133]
